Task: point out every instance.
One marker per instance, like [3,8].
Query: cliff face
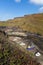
[32,23]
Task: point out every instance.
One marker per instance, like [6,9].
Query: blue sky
[16,8]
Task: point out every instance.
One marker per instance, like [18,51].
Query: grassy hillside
[31,23]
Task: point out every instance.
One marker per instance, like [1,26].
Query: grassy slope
[32,23]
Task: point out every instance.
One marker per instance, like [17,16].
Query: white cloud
[37,2]
[41,9]
[17,0]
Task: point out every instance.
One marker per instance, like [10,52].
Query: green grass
[32,23]
[12,55]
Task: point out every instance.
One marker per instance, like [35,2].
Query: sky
[10,9]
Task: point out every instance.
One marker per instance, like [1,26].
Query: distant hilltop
[32,23]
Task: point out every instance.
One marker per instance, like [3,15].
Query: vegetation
[32,23]
[11,55]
